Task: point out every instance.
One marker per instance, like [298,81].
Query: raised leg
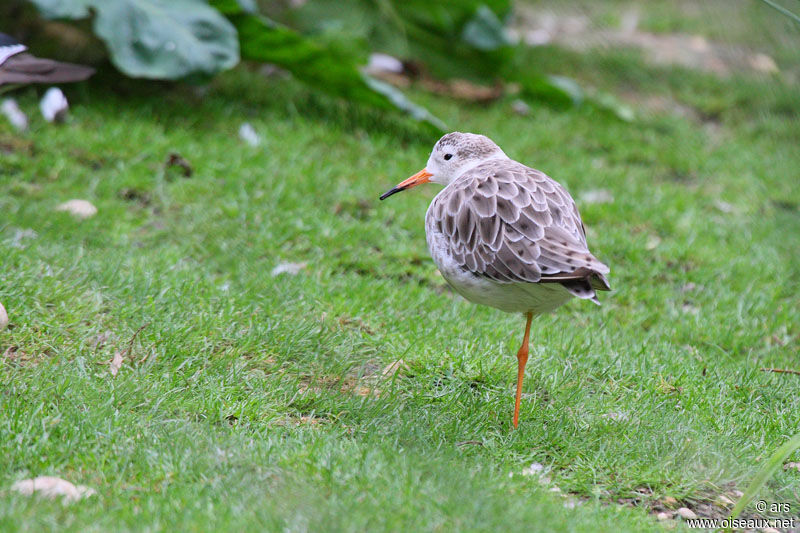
[522,359]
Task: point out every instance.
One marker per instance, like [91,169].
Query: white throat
[469,166]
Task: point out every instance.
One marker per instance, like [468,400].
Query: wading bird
[505,235]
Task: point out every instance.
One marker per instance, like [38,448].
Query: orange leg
[522,359]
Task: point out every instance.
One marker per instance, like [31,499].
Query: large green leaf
[160,39]
[485,31]
[325,68]
[453,38]
[63,9]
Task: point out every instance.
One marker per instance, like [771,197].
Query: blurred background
[369,52]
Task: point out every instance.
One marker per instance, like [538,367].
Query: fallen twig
[781,371]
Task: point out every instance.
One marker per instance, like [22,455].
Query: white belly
[511,297]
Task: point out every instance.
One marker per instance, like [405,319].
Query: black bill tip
[390,192]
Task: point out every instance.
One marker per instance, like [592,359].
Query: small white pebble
[663,516]
[597,196]
[687,513]
[669,501]
[652,242]
[52,487]
[537,37]
[288,268]
[54,105]
[116,363]
[534,469]
[78,208]
[14,114]
[737,493]
[520,107]
[724,500]
[384,63]
[763,63]
[248,134]
[3,317]
[725,207]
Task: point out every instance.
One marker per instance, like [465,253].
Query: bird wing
[512,223]
[9,47]
[24,68]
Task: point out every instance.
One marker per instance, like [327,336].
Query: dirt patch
[667,510]
[365,380]
[537,27]
[17,356]
[355,323]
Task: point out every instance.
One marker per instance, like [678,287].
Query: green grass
[253,401]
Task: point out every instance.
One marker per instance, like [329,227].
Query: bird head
[453,154]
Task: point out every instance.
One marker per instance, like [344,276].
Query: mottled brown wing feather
[512,223]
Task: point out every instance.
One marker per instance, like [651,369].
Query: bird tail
[584,288]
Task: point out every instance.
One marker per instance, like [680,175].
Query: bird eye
[448,157]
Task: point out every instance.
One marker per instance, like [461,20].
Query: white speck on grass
[116,363]
[690,309]
[392,368]
[520,107]
[534,37]
[763,63]
[3,317]
[535,469]
[52,487]
[54,105]
[384,63]
[724,207]
[288,268]
[689,287]
[663,516]
[652,242]
[597,196]
[724,501]
[572,503]
[19,235]
[78,208]
[248,134]
[14,114]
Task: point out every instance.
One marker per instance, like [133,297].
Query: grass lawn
[253,400]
